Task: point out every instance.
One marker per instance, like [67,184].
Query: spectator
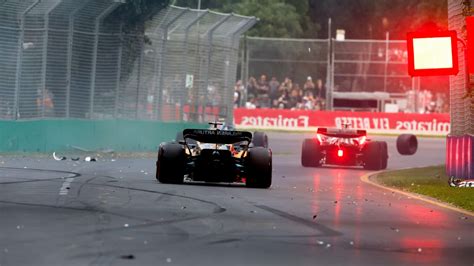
[283,100]
[320,90]
[238,90]
[287,85]
[293,99]
[299,95]
[273,91]
[252,88]
[263,90]
[309,87]
[44,102]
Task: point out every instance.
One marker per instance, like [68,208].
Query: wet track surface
[116,213]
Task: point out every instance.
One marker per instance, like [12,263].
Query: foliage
[363,19]
[135,12]
[431,181]
[278,18]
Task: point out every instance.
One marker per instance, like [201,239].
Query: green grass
[430,181]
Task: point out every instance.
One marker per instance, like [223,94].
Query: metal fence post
[119,70]
[16,107]
[164,40]
[45,54]
[139,73]
[386,62]
[186,47]
[330,67]
[242,56]
[330,90]
[70,41]
[210,34]
[98,21]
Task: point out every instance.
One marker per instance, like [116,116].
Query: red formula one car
[346,147]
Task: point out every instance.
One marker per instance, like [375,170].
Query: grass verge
[430,181]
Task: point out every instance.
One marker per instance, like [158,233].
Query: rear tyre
[170,164]
[259,165]
[407,144]
[311,154]
[260,139]
[373,155]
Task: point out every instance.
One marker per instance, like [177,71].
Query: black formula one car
[214,155]
[346,147]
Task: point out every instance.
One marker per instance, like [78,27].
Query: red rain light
[340,153]
[432,53]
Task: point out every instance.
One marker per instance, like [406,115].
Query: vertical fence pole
[159,61]
[139,73]
[98,21]
[186,43]
[45,54]
[70,41]
[19,59]
[235,45]
[210,34]
[119,71]
[330,68]
[387,36]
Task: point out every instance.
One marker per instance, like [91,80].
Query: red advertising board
[437,124]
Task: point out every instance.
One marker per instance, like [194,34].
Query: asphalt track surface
[116,213]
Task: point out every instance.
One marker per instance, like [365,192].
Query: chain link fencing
[77,59]
[357,74]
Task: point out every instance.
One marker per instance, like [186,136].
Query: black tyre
[407,144]
[373,155]
[170,164]
[384,154]
[259,165]
[260,139]
[311,153]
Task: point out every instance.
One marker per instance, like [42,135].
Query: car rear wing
[342,132]
[217,136]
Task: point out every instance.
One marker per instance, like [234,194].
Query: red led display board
[432,53]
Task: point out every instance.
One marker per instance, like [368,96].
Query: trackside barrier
[305,120]
[459,160]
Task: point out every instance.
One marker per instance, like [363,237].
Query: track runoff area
[113,210]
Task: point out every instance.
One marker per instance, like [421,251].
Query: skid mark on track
[217,207]
[322,228]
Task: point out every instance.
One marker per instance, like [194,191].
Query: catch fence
[79,59]
[357,74]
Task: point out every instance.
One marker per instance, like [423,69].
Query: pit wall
[60,135]
[373,122]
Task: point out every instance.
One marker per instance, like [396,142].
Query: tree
[370,19]
[278,18]
[134,13]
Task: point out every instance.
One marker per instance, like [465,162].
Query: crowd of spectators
[286,94]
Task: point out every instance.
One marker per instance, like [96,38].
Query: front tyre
[259,168]
[260,139]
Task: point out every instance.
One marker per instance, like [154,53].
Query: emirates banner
[430,124]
